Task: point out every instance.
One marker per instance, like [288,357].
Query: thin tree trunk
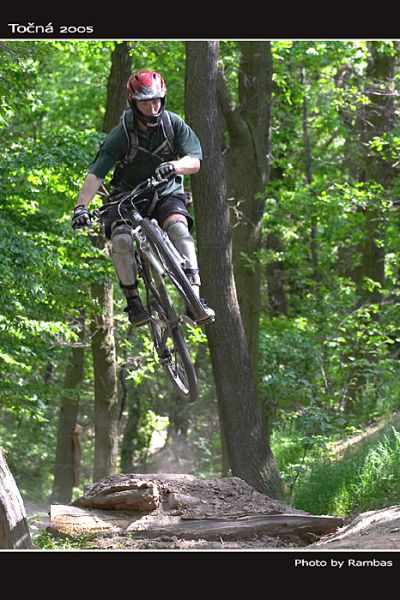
[66,452]
[130,435]
[121,64]
[106,408]
[309,180]
[103,343]
[241,418]
[277,300]
[375,119]
[248,166]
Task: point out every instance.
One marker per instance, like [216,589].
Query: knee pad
[121,239]
[122,254]
[178,230]
[179,235]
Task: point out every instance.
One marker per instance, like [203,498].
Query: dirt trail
[368,432]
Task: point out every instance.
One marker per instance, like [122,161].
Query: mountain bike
[161,268]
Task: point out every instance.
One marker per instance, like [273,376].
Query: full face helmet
[146,85]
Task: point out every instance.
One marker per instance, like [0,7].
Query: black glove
[81,217]
[164,171]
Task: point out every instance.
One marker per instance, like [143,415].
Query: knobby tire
[175,360]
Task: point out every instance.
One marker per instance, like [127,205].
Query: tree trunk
[277,300]
[103,343]
[177,441]
[130,435]
[241,418]
[14,529]
[121,64]
[309,180]
[375,119]
[106,413]
[248,167]
[67,459]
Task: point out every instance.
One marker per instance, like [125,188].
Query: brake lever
[95,215]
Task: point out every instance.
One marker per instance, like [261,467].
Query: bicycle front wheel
[174,357]
[168,338]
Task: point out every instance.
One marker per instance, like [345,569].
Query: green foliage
[30,462]
[365,478]
[47,541]
[329,364]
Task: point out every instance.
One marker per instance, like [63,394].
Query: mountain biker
[138,148]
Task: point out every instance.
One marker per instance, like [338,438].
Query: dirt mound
[373,530]
[180,511]
[149,511]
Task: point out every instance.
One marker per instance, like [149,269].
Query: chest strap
[133,139]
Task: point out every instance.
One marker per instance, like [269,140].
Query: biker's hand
[164,171]
[81,217]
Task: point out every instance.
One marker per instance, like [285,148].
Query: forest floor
[231,498]
[370,530]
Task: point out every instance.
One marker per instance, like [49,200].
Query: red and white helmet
[145,85]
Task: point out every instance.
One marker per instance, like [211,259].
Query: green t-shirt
[127,176]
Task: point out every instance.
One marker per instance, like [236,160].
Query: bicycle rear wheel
[168,338]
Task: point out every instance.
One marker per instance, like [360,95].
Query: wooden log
[285,526]
[131,494]
[75,521]
[14,529]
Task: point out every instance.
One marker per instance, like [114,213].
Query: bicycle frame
[157,261]
[146,248]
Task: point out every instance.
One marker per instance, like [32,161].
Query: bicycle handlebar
[151,184]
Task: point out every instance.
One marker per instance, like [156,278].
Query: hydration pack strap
[133,138]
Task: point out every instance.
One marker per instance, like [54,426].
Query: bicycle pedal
[188,320]
[206,321]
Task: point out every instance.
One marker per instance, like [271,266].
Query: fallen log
[282,526]
[74,521]
[77,521]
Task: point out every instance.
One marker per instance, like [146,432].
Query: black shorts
[174,204]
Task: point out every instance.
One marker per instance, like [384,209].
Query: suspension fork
[146,250]
[154,289]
